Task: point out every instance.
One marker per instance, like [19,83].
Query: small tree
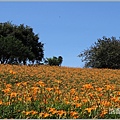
[104,54]
[54,61]
[60,59]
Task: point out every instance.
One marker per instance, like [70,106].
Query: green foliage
[19,44]
[54,61]
[104,54]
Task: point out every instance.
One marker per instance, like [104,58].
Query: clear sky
[66,28]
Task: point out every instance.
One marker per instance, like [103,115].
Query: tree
[19,43]
[60,59]
[54,61]
[105,53]
[13,51]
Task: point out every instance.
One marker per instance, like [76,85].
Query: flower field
[58,92]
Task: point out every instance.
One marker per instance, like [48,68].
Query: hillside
[58,92]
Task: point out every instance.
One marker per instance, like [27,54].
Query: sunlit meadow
[58,92]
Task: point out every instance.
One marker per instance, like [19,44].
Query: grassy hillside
[58,92]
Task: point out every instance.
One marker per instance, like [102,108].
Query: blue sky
[66,28]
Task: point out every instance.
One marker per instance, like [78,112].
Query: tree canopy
[19,44]
[105,53]
[54,61]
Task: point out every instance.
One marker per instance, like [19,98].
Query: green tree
[54,61]
[12,50]
[105,53]
[27,42]
[60,59]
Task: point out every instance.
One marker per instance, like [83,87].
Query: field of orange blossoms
[58,92]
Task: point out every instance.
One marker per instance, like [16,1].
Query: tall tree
[105,53]
[25,38]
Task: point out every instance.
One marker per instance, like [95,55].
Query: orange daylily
[73,113]
[13,94]
[6,90]
[87,86]
[89,109]
[1,102]
[61,112]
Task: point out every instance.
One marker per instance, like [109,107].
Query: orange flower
[49,89]
[41,114]
[28,98]
[27,112]
[103,113]
[118,93]
[24,83]
[109,87]
[33,112]
[100,95]
[73,113]
[44,115]
[115,99]
[52,109]
[91,95]
[72,91]
[94,107]
[18,84]
[76,98]
[78,105]
[6,90]
[76,116]
[54,112]
[67,102]
[58,91]
[57,81]
[87,86]
[61,112]
[99,89]
[112,87]
[1,102]
[12,72]
[13,94]
[8,85]
[35,90]
[89,109]
[20,99]
[41,83]
[84,100]
[105,103]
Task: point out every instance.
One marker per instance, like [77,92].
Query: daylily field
[58,92]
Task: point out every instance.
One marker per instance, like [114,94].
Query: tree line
[19,45]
